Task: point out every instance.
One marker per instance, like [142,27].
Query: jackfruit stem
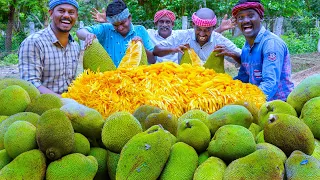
[188,124]
[269,108]
[272,118]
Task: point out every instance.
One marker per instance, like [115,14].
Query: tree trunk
[8,43]
[277,28]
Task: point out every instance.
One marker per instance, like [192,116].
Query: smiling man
[49,58]
[202,38]
[265,58]
[115,35]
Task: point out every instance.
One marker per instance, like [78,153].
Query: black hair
[244,1]
[116,7]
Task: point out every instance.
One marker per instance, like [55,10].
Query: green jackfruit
[118,129]
[254,129]
[213,169]
[254,110]
[143,111]
[203,157]
[13,99]
[230,114]
[302,166]
[316,152]
[261,164]
[81,144]
[44,102]
[144,155]
[101,156]
[275,106]
[167,120]
[26,85]
[96,57]
[232,142]
[194,133]
[23,116]
[55,135]
[289,133]
[260,137]
[67,101]
[73,166]
[195,114]
[281,155]
[28,165]
[304,91]
[112,162]
[190,57]
[182,162]
[310,115]
[4,158]
[19,138]
[2,118]
[215,62]
[85,120]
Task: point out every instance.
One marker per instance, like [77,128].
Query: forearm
[162,51]
[45,90]
[151,58]
[82,33]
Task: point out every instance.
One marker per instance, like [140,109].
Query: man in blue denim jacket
[265,59]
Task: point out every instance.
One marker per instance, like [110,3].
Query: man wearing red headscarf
[265,58]
[164,21]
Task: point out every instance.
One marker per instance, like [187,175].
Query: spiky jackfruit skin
[112,162]
[316,152]
[19,138]
[302,166]
[203,157]
[289,133]
[232,142]
[28,86]
[261,164]
[101,156]
[215,62]
[28,165]
[85,120]
[304,91]
[96,57]
[44,102]
[230,114]
[182,162]
[271,107]
[194,133]
[73,166]
[81,144]
[4,158]
[165,118]
[13,99]
[118,129]
[213,168]
[143,111]
[2,118]
[145,155]
[254,129]
[260,137]
[281,155]
[195,114]
[55,135]
[23,116]
[310,115]
[254,110]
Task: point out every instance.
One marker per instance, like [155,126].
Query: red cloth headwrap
[203,22]
[162,13]
[248,5]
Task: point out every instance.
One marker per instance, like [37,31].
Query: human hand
[99,16]
[181,48]
[88,41]
[136,38]
[223,51]
[227,23]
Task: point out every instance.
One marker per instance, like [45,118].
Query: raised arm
[85,35]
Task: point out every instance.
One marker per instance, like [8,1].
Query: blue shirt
[114,43]
[267,65]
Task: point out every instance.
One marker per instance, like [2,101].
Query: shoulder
[99,26]
[138,28]
[36,37]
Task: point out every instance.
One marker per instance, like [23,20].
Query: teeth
[202,38]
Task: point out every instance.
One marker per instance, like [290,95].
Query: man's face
[202,34]
[123,27]
[249,22]
[63,17]
[164,25]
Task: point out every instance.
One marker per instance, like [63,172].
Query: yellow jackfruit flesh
[96,57]
[190,57]
[135,55]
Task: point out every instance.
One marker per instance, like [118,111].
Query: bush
[301,44]
[10,59]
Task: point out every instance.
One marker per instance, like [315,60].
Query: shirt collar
[260,35]
[131,31]
[54,38]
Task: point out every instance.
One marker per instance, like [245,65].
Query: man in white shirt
[202,38]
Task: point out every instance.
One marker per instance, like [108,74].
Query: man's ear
[130,17]
[50,12]
[193,25]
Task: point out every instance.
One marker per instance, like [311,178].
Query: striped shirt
[188,37]
[44,61]
[267,65]
[114,43]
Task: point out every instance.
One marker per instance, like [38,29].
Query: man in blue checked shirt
[265,59]
[115,35]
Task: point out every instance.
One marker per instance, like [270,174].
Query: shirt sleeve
[148,44]
[100,30]
[30,62]
[273,55]
[178,37]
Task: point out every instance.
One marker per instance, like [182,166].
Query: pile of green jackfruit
[46,137]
